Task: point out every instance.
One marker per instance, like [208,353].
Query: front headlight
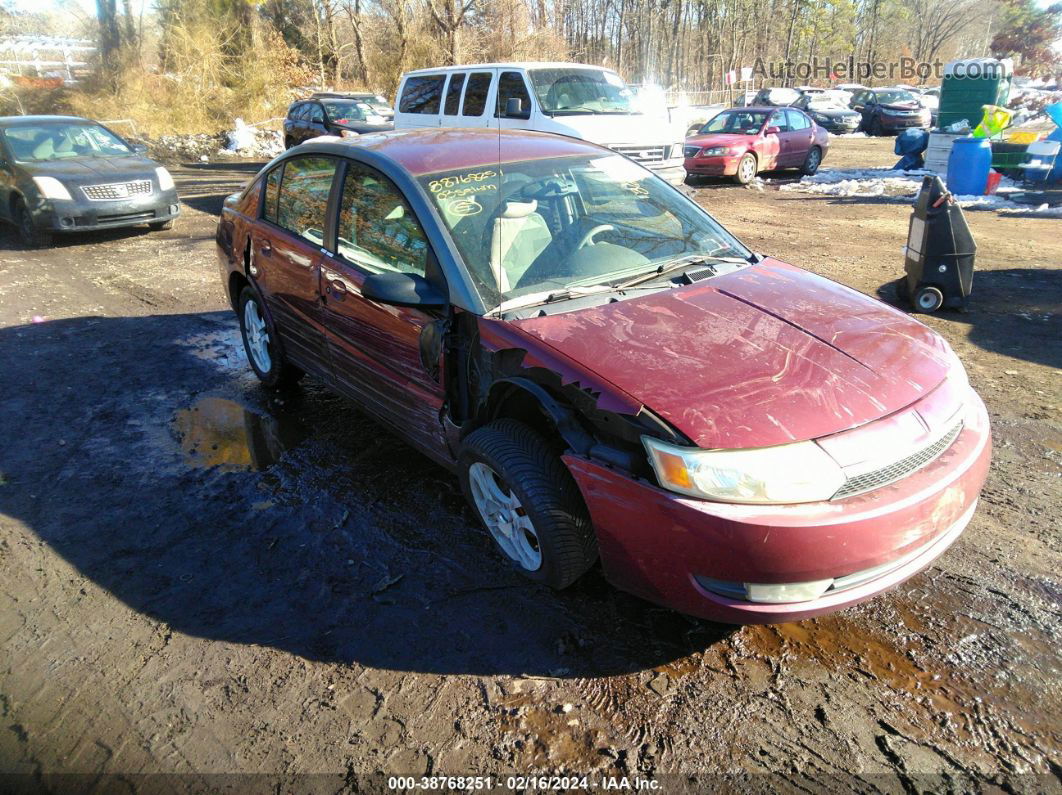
[165,178]
[785,474]
[51,188]
[716,151]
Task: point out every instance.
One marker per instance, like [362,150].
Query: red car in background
[609,372]
[741,142]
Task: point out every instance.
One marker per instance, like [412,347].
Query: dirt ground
[197,577]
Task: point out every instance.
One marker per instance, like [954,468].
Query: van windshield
[568,225]
[569,91]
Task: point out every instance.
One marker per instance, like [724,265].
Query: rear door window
[294,111]
[453,94]
[316,113]
[797,120]
[422,94]
[511,86]
[476,93]
[303,201]
[778,120]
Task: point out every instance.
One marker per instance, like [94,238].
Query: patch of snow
[245,140]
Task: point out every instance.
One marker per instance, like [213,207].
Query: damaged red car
[609,372]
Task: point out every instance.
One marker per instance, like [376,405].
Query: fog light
[66,221]
[174,209]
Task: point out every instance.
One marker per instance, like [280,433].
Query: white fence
[45,56]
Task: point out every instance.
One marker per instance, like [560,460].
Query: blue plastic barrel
[968,166]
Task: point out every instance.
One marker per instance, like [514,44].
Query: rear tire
[28,233]
[288,143]
[528,501]
[746,169]
[928,299]
[259,342]
[812,161]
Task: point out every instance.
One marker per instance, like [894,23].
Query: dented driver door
[376,348]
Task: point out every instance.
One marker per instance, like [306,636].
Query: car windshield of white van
[569,92]
[540,231]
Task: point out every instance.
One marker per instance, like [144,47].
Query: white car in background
[577,100]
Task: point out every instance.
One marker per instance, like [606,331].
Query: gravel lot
[197,577]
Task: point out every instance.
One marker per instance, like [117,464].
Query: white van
[577,100]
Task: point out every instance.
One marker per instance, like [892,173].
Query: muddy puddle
[223,434]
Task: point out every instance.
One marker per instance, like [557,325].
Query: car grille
[898,469]
[117,190]
[690,151]
[643,154]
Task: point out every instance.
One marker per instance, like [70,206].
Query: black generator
[939,259]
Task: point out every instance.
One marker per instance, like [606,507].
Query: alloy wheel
[505,516]
[257,336]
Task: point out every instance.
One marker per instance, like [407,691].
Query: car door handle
[265,248]
[337,289]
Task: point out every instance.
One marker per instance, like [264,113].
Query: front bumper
[903,123]
[664,547]
[718,166]
[75,215]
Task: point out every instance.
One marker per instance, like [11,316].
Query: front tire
[528,502]
[263,352]
[28,233]
[876,128]
[746,169]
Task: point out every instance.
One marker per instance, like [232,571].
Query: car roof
[430,150]
[510,65]
[15,121]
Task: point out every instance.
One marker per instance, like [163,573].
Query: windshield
[573,91]
[741,122]
[570,223]
[344,110]
[889,97]
[824,102]
[63,141]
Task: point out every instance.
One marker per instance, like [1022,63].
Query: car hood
[612,129]
[721,139]
[763,356]
[86,170]
[906,106]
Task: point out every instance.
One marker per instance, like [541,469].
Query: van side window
[511,86]
[453,94]
[269,207]
[422,94]
[476,94]
[303,201]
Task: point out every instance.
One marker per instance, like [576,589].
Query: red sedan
[610,373]
[741,142]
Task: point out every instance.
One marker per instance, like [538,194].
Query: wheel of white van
[811,163]
[928,299]
[746,169]
[263,353]
[528,501]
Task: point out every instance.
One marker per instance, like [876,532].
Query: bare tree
[449,17]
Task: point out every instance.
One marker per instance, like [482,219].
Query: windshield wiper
[677,263]
[554,296]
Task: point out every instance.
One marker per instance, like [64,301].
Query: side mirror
[514,109]
[402,289]
[140,149]
[772,131]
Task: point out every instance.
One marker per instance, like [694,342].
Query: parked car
[775,97]
[378,104]
[578,100]
[741,142]
[745,99]
[929,98]
[66,174]
[829,113]
[608,371]
[887,111]
[342,116]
